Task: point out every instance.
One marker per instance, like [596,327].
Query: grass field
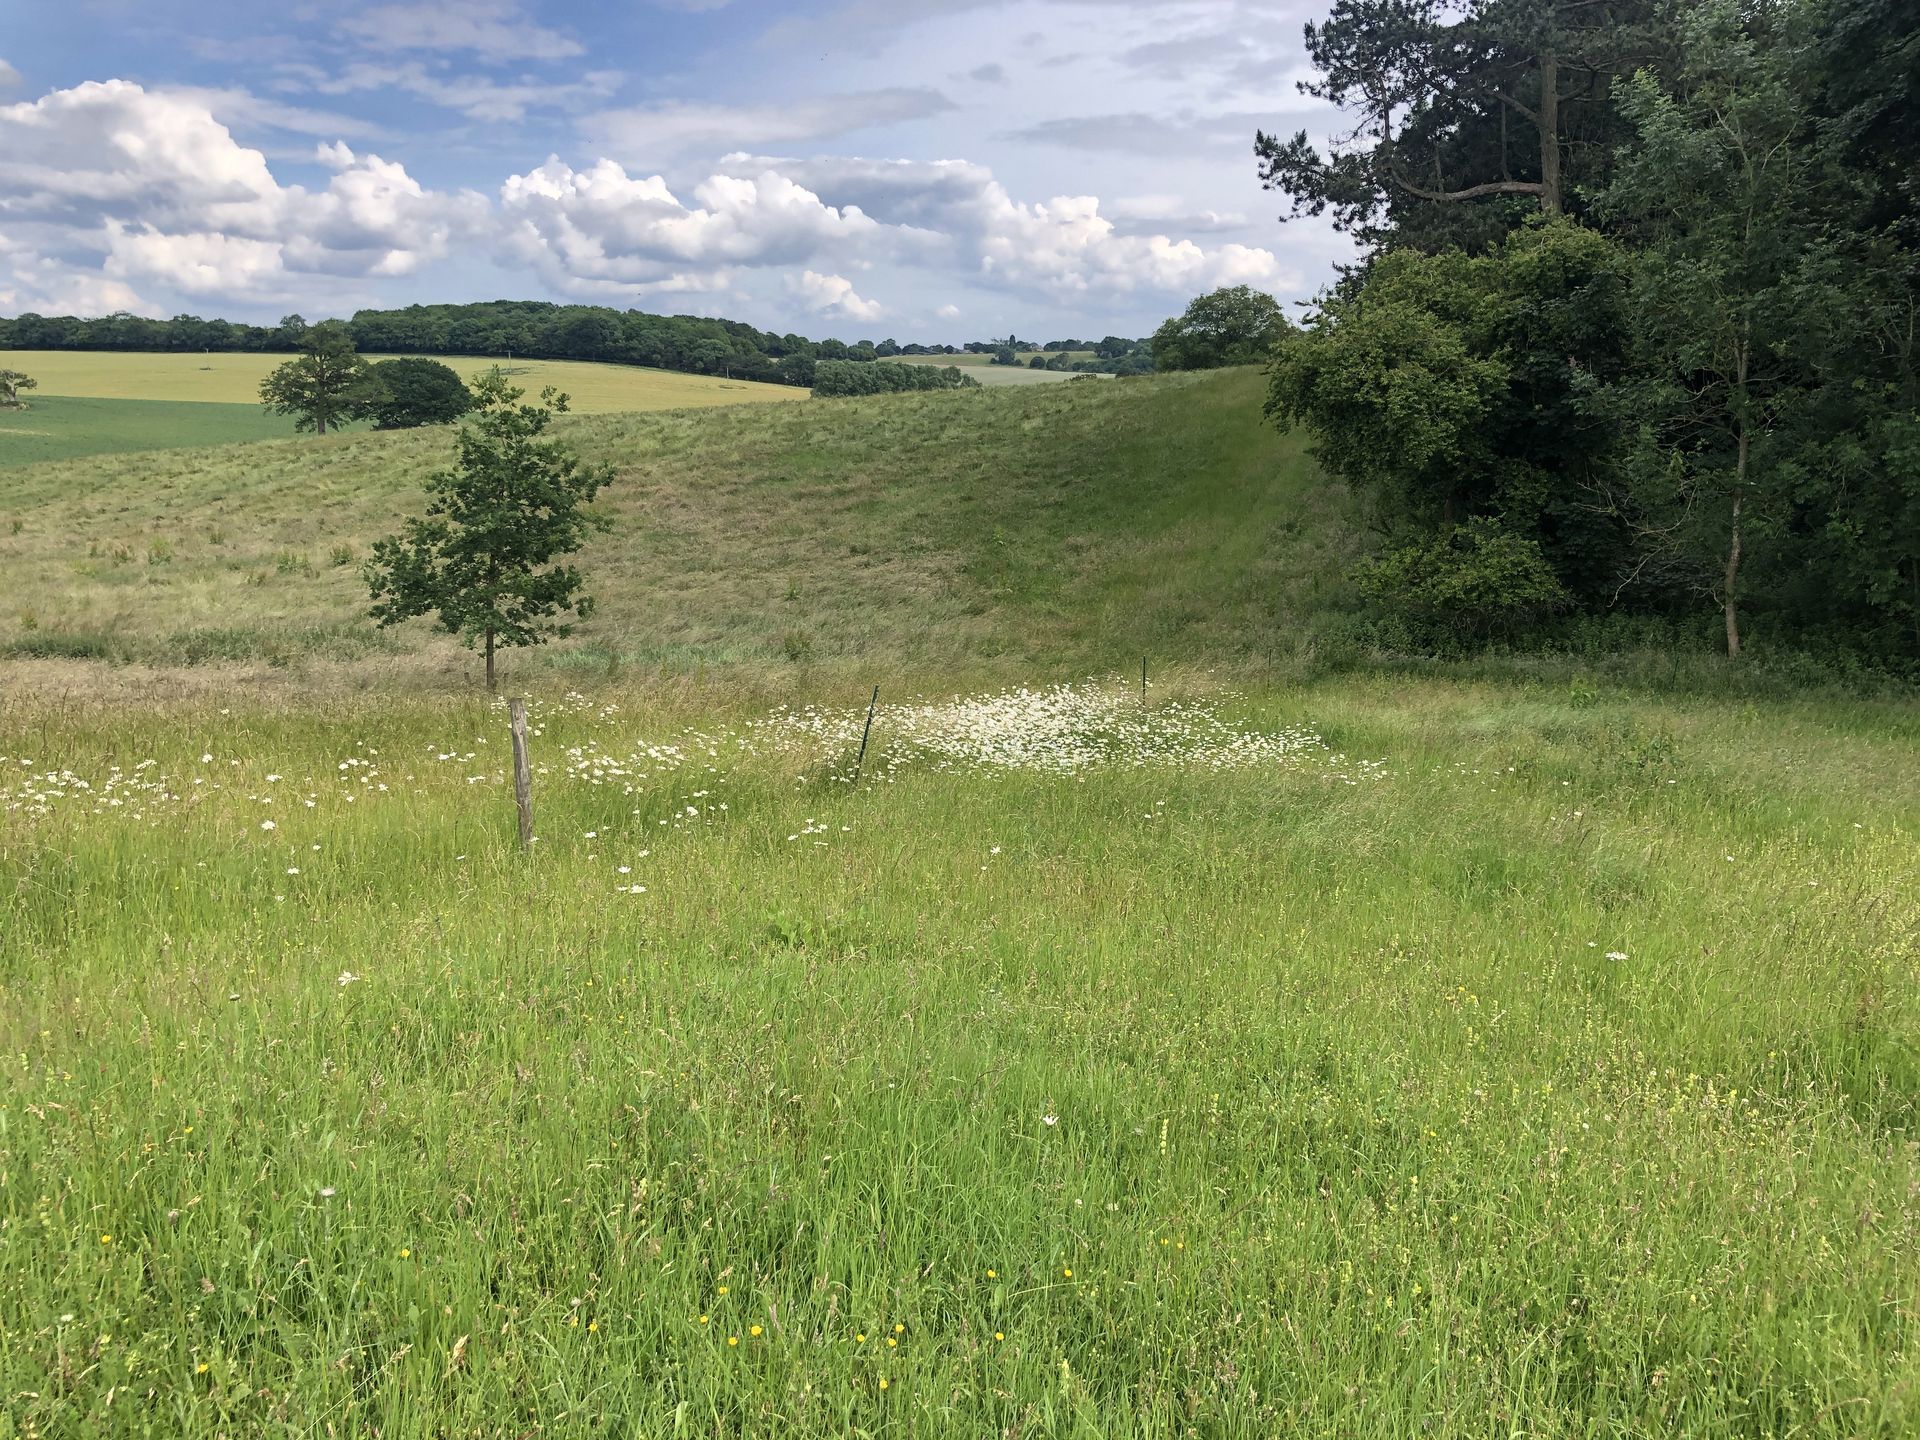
[1093,523]
[1379,1054]
[137,402]
[65,427]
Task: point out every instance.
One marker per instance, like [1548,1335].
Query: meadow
[982,368]
[109,402]
[1518,1048]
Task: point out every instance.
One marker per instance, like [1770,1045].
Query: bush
[418,392]
[1474,584]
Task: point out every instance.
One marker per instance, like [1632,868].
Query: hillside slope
[1083,523]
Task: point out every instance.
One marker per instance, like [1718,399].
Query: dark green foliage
[1473,584]
[1699,386]
[880,377]
[1237,325]
[480,560]
[326,385]
[418,392]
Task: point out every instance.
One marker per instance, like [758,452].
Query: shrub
[1474,584]
[880,377]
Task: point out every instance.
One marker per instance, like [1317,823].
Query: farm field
[1518,1048]
[228,384]
[66,427]
[982,368]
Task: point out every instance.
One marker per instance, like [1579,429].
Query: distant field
[66,427]
[235,379]
[982,368]
[107,403]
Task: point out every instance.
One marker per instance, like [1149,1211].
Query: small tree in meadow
[481,560]
[12,382]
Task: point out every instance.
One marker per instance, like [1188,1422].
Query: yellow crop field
[223,378]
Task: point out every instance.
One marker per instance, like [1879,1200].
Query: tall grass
[1551,1072]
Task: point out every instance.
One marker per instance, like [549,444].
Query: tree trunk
[1549,133]
[319,424]
[489,661]
[1733,576]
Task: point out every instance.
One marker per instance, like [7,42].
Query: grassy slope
[1084,525]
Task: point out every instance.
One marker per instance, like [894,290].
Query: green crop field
[63,427]
[1510,1048]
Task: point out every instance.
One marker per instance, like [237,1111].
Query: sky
[932,170]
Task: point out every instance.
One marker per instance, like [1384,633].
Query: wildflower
[326,1192]
[753,1330]
[347,977]
[722,1290]
[593,1327]
[884,1382]
[201,1368]
[993,1274]
[899,1329]
[267,825]
[106,1239]
[860,1338]
[892,1344]
[998,1335]
[705,1318]
[1616,954]
[1049,1120]
[733,1339]
[406,1253]
[1067,1270]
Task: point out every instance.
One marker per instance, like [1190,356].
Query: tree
[481,559]
[415,391]
[325,385]
[1741,301]
[12,382]
[1237,325]
[1488,100]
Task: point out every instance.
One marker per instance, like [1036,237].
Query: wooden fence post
[864,734]
[522,772]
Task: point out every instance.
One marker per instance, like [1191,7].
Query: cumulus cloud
[948,312]
[834,295]
[1063,245]
[9,78]
[158,188]
[495,30]
[601,224]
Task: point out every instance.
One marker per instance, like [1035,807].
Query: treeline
[1638,327]
[535,329]
[879,377]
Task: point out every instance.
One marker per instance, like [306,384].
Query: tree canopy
[326,385]
[1237,325]
[415,391]
[481,560]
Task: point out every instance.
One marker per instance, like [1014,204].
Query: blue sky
[931,171]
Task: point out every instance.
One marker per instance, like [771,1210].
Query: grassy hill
[1073,525]
[1361,1055]
[103,402]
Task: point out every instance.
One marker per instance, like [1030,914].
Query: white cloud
[948,312]
[1061,246]
[601,224]
[160,189]
[491,29]
[9,78]
[646,133]
[834,295]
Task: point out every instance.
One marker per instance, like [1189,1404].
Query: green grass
[64,427]
[1359,1128]
[1536,1054]
[1068,525]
